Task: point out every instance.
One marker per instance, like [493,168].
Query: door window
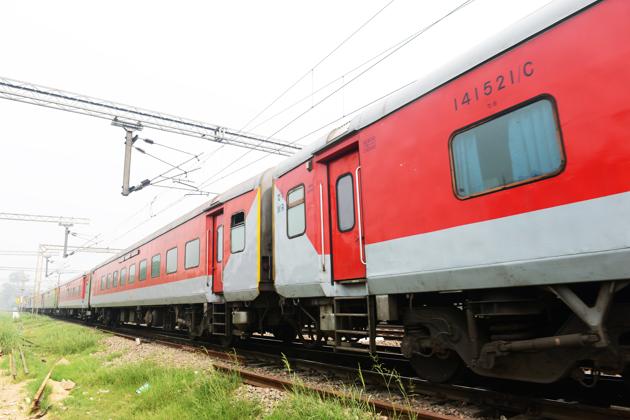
[296,212]
[345,203]
[237,233]
[220,243]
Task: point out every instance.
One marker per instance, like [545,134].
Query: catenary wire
[399,45]
[288,89]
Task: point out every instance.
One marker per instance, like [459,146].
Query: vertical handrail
[321,221]
[209,254]
[356,182]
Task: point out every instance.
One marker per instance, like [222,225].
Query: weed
[304,403]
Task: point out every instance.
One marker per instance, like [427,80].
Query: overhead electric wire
[183,189]
[329,83]
[414,36]
[397,47]
[154,143]
[173,177]
[330,53]
[363,25]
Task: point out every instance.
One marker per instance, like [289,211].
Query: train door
[215,251]
[348,259]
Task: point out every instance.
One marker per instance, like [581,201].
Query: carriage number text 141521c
[495,84]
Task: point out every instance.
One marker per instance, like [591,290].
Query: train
[484,210]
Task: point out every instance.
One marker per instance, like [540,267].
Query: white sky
[219,62]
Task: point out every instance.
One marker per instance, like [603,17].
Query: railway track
[252,358]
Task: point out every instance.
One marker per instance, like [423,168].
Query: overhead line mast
[132,119]
[65,222]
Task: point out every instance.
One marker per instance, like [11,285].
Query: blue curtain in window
[467,165]
[534,150]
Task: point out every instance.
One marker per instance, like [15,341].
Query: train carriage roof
[538,21]
[72,280]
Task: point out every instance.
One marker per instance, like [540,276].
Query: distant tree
[7,295]
[12,289]
[19,278]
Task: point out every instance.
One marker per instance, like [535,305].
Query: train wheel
[437,368]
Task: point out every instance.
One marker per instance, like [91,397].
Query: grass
[10,337]
[172,393]
[306,405]
[303,403]
[109,392]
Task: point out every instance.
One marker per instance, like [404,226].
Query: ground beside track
[108,370]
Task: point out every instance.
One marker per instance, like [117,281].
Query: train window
[108,282]
[191,254]
[115,279]
[516,147]
[237,232]
[345,203]
[155,266]
[132,273]
[123,276]
[296,212]
[171,260]
[220,243]
[102,282]
[142,267]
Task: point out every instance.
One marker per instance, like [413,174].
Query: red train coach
[486,207]
[73,298]
[184,274]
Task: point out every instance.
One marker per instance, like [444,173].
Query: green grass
[173,393]
[306,405]
[9,334]
[109,392]
[58,338]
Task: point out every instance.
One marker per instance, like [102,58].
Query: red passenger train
[484,208]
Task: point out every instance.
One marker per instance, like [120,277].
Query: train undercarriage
[532,334]
[529,334]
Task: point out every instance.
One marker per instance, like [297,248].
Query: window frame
[198,253]
[103,282]
[108,281]
[123,277]
[140,270]
[354,207]
[129,278]
[176,260]
[559,139]
[303,201]
[159,270]
[115,279]
[244,231]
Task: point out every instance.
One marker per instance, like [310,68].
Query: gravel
[268,398]
[131,352]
